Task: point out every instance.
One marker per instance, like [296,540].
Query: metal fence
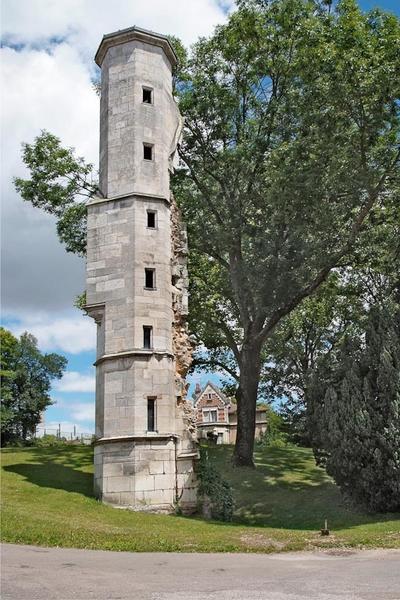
[74,435]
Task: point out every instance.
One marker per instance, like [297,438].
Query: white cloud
[83,412]
[72,381]
[73,334]
[84,22]
[50,91]
[46,77]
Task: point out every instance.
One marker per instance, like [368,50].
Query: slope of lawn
[281,505]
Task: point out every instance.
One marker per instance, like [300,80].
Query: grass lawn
[281,505]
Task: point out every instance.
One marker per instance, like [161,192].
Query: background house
[216,415]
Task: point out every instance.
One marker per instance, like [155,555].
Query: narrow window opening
[151,414]
[147,95]
[148,151]
[147,336]
[151,219]
[149,278]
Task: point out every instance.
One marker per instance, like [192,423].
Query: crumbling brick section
[181,343]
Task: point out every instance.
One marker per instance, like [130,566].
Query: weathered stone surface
[133,466]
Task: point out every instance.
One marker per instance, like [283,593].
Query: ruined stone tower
[136,283]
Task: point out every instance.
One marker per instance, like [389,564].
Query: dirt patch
[257,540]
[339,552]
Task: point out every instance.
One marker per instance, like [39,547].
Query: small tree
[310,334]
[26,376]
[354,414]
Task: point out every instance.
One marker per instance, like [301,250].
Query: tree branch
[333,262]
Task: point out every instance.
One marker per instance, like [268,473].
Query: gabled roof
[216,389]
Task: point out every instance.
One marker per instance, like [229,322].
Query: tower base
[145,473]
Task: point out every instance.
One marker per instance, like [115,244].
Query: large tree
[26,376]
[290,147]
[290,151]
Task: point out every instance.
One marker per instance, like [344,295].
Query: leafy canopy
[291,140]
[26,376]
[57,178]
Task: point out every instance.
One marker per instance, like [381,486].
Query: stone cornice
[131,34]
[137,438]
[133,352]
[133,195]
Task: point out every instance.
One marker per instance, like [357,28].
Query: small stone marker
[325,530]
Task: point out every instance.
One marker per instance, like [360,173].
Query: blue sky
[391,5]
[47,69]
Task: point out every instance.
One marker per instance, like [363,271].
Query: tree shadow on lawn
[57,468]
[287,490]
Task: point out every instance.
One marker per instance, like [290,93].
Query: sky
[47,70]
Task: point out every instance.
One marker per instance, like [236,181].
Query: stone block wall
[137,464]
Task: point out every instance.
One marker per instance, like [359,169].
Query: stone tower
[136,283]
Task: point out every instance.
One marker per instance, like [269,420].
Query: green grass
[281,505]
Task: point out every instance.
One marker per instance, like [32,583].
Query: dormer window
[147,95]
[209,415]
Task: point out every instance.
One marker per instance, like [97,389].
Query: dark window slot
[147,152]
[147,95]
[147,336]
[151,414]
[149,278]
[151,219]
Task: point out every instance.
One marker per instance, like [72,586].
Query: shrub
[274,435]
[48,441]
[214,494]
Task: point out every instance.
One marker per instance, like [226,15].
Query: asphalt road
[63,574]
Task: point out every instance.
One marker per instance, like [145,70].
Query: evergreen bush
[355,415]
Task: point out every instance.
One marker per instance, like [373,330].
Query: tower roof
[135,33]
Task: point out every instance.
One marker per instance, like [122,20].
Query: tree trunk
[250,366]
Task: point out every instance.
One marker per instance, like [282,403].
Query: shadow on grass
[287,490]
[58,468]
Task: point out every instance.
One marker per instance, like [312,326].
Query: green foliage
[178,72]
[214,493]
[311,333]
[275,435]
[354,413]
[26,376]
[80,301]
[290,153]
[57,179]
[48,441]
